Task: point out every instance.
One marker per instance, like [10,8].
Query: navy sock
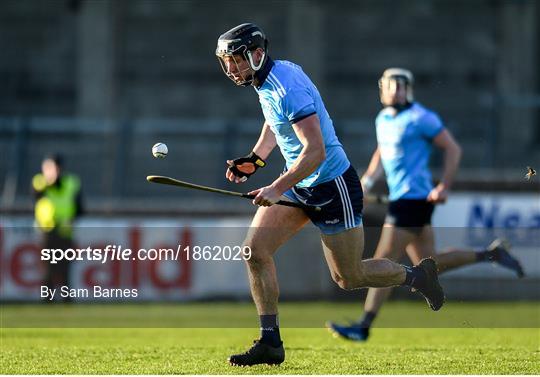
[367,319]
[485,256]
[415,277]
[270,329]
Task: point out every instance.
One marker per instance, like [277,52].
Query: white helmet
[398,74]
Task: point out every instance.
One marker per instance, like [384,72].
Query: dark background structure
[103,80]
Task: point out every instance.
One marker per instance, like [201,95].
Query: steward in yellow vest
[58,199]
[58,203]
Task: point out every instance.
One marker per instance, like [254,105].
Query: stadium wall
[475,62]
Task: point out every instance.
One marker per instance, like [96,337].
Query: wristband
[244,167]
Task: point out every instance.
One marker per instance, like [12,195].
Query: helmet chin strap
[252,63]
[247,81]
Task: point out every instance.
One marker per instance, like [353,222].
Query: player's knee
[347,281]
[258,256]
[346,284]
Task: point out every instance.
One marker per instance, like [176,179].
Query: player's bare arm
[373,172]
[262,149]
[452,155]
[313,154]
[266,143]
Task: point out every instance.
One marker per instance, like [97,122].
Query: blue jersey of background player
[318,173]
[405,140]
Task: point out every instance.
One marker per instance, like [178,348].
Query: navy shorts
[409,213]
[341,202]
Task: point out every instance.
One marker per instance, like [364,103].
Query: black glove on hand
[245,167]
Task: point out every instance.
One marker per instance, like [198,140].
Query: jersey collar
[262,74]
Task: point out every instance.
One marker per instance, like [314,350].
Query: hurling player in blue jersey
[317,173]
[406,131]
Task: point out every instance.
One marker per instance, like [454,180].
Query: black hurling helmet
[242,40]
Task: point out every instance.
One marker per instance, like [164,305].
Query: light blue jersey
[287,96]
[405,142]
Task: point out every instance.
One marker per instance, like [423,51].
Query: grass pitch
[147,340]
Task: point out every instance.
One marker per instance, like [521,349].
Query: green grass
[456,349]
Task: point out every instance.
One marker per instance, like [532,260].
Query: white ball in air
[160,150]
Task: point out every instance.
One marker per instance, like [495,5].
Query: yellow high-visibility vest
[58,205]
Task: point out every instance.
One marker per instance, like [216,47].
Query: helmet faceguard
[237,45]
[392,77]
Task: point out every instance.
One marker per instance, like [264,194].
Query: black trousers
[56,274]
